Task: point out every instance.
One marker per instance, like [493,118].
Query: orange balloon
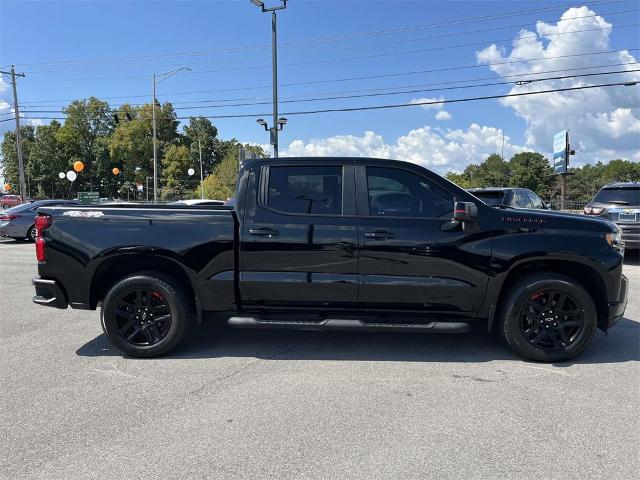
[115,170]
[78,166]
[7,187]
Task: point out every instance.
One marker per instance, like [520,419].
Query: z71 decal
[85,214]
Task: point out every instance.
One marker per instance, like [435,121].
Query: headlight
[614,239]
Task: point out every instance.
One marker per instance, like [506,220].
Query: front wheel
[548,318]
[146,314]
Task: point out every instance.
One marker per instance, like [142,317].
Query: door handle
[378,235]
[263,232]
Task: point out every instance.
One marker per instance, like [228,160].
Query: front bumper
[616,310]
[49,293]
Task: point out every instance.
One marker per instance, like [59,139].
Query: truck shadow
[621,345]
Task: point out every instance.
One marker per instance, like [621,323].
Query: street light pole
[277,125]
[155,148]
[157,78]
[274,61]
[201,174]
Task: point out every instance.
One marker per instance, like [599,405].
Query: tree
[10,155]
[533,171]
[222,184]
[175,164]
[200,129]
[82,135]
[46,160]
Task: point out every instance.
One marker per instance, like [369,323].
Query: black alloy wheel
[147,314]
[551,320]
[142,316]
[547,317]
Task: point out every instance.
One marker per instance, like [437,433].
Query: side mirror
[465,211]
[548,205]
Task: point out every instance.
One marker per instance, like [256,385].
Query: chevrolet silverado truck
[335,243]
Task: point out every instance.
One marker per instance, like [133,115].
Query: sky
[418,50]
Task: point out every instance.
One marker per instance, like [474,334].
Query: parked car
[509,197]
[620,203]
[197,201]
[336,243]
[9,201]
[19,222]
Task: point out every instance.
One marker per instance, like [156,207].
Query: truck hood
[555,219]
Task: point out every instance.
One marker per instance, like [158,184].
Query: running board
[349,324]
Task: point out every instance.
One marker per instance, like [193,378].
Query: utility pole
[23,185]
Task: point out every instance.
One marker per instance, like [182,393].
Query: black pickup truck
[342,243]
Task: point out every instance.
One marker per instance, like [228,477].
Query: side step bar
[348,324]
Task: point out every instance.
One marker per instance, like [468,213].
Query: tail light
[42,223]
[8,218]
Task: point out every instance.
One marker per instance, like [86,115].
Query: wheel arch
[582,274]
[118,267]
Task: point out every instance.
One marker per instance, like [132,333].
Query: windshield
[621,196]
[490,198]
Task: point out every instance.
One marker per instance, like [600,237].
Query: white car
[198,201]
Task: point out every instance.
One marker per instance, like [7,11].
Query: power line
[355,78]
[342,59]
[329,39]
[412,40]
[307,95]
[343,97]
[193,92]
[402,105]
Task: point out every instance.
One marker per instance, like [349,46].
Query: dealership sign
[561,151]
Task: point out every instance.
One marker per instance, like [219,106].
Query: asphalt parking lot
[278,404]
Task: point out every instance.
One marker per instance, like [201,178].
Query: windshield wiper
[620,202]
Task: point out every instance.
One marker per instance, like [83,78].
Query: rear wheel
[548,318]
[146,314]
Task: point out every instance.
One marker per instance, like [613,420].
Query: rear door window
[305,189]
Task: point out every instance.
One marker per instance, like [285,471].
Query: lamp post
[147,187]
[157,78]
[201,174]
[277,126]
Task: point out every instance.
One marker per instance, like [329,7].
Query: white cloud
[432,103]
[438,149]
[443,115]
[602,120]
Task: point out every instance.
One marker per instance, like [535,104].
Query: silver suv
[620,203]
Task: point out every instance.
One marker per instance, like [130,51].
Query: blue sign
[560,151]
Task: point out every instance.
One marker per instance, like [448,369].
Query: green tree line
[533,171]
[104,138]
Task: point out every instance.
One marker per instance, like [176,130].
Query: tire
[536,327]
[128,311]
[31,233]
